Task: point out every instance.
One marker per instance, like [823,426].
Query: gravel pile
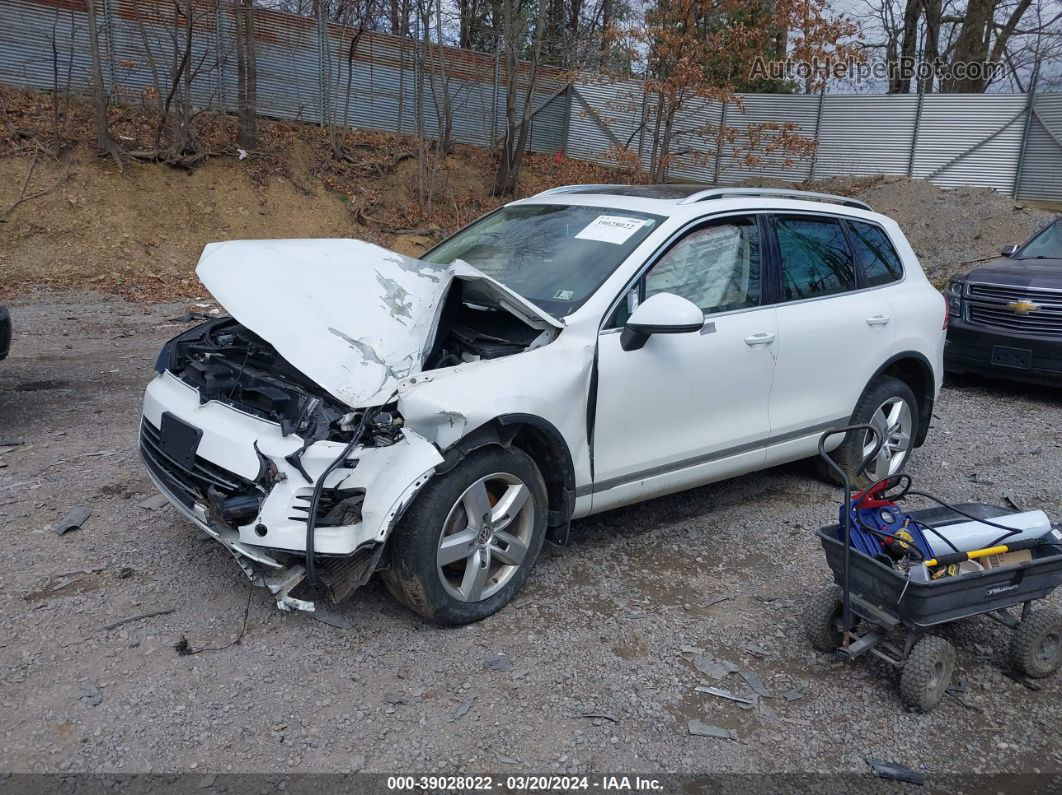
[592,669]
[948,229]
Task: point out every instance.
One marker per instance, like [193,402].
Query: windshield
[1046,245]
[555,256]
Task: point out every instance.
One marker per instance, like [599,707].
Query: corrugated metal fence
[1001,141]
[315,73]
[304,71]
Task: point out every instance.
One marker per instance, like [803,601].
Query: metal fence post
[219,62]
[818,124]
[914,135]
[1030,109]
[719,145]
[567,117]
[108,28]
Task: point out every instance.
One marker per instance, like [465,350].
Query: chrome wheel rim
[894,422]
[485,537]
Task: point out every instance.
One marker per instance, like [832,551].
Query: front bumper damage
[242,460]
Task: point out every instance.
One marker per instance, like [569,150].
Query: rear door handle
[763,338]
[878,320]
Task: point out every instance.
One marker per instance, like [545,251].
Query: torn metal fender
[552,383]
[353,317]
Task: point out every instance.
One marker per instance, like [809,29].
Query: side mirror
[1009,250]
[663,313]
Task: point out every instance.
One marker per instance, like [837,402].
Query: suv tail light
[947,314]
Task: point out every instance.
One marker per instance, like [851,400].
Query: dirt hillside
[70,218]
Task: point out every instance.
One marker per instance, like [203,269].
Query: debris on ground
[77,516]
[462,708]
[189,317]
[753,681]
[139,617]
[713,668]
[700,729]
[720,693]
[154,503]
[894,772]
[598,715]
[332,618]
[497,662]
[90,694]
[794,694]
[725,597]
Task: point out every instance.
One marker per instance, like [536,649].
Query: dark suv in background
[1006,315]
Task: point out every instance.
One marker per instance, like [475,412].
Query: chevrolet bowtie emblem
[1023,307]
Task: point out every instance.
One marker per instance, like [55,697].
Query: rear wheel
[1036,646]
[822,619]
[890,406]
[469,541]
[927,673]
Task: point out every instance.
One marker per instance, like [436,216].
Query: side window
[815,258]
[876,259]
[717,267]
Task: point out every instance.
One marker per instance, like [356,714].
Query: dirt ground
[138,232]
[591,674]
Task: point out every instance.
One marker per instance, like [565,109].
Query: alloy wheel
[894,422]
[485,537]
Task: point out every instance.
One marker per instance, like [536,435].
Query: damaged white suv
[586,348]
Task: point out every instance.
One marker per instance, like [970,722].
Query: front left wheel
[471,537]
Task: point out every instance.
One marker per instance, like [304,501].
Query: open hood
[353,317]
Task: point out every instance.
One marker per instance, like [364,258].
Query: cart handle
[879,439]
[846,598]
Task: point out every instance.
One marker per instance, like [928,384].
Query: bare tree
[517,121]
[104,140]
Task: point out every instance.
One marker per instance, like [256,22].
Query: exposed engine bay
[227,362]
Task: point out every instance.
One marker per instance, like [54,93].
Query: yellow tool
[958,557]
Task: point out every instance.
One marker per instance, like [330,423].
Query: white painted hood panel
[352,316]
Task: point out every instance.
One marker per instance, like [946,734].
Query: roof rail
[573,189]
[776,193]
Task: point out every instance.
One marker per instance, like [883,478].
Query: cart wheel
[1036,647]
[822,619]
[927,673]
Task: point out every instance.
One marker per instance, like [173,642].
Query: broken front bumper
[240,456]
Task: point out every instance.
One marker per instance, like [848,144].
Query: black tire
[927,673]
[849,454]
[1036,646]
[821,619]
[413,577]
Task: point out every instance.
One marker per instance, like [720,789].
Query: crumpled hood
[353,317]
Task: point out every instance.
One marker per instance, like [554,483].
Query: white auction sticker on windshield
[611,229]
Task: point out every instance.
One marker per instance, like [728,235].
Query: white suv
[586,348]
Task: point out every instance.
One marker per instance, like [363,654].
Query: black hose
[318,487]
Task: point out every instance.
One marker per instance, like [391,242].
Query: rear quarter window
[875,256]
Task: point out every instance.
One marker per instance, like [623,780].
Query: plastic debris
[333,619]
[463,707]
[894,772]
[699,729]
[154,503]
[720,693]
[139,617]
[794,694]
[757,685]
[77,516]
[713,668]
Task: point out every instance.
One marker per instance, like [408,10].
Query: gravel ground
[599,629]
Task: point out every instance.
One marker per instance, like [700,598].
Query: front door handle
[763,338]
[878,320]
